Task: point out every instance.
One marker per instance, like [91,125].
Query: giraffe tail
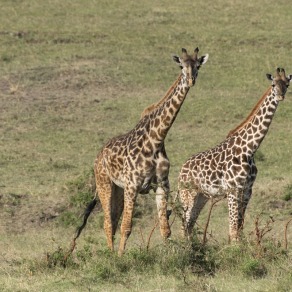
[86,214]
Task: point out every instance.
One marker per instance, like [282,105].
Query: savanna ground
[73,74]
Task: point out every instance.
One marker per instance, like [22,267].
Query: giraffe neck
[254,129]
[154,106]
[161,118]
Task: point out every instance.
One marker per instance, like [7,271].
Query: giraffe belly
[119,182]
[214,191]
[145,185]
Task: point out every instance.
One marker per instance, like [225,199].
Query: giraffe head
[280,83]
[190,65]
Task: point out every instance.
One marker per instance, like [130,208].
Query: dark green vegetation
[74,74]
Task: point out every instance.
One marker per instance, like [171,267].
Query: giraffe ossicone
[229,170]
[136,162]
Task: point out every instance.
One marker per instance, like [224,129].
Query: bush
[230,256]
[254,268]
[181,257]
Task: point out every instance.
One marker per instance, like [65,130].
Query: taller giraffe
[136,162]
[229,169]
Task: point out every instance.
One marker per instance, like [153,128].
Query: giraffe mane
[155,105]
[251,115]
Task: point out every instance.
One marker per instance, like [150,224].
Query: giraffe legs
[162,190]
[130,196]
[195,203]
[106,190]
[117,206]
[114,201]
[237,204]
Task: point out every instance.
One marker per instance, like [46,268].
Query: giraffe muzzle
[192,82]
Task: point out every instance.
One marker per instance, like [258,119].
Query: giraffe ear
[204,59]
[177,60]
[270,77]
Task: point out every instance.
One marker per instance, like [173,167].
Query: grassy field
[73,74]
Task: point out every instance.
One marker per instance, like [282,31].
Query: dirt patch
[277,204]
[21,213]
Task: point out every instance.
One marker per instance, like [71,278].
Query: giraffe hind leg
[196,204]
[117,206]
[162,191]
[130,195]
[104,191]
[105,199]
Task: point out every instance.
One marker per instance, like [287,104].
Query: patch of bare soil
[55,88]
[20,213]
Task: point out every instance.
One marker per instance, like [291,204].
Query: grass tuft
[254,268]
[287,196]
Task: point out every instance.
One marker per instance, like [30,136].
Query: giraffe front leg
[162,192]
[237,204]
[243,205]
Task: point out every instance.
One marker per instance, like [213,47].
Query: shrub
[230,256]
[253,268]
[180,257]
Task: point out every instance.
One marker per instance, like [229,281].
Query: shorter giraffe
[229,170]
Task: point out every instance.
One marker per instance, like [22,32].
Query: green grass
[74,74]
